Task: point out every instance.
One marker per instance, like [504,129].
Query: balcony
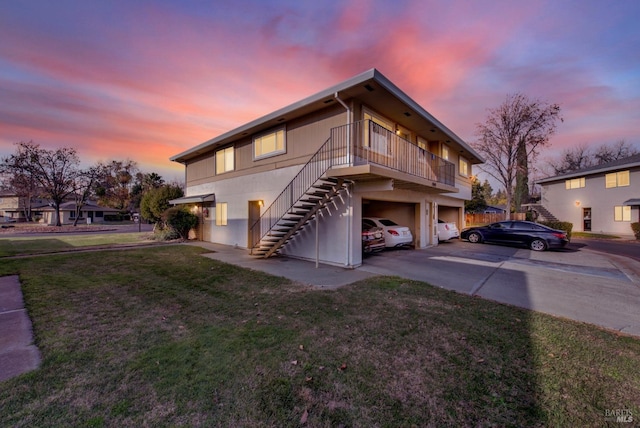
[367,151]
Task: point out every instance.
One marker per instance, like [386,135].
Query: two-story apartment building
[299,180]
[603,198]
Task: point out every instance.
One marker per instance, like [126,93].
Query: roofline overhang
[369,75]
[209,197]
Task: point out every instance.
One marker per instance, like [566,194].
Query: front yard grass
[29,245]
[162,336]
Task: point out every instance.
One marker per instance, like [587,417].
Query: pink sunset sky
[145,80]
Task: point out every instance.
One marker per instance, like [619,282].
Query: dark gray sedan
[532,235]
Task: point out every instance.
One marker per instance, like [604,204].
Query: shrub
[165,234]
[560,225]
[181,220]
[636,229]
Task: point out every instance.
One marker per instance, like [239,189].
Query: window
[422,143]
[225,160]
[221,214]
[445,153]
[621,213]
[463,167]
[269,144]
[381,129]
[574,183]
[617,179]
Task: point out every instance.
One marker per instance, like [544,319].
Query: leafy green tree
[479,194]
[144,183]
[156,201]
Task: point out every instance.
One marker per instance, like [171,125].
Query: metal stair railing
[310,173]
[356,143]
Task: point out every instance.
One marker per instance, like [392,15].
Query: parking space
[575,282]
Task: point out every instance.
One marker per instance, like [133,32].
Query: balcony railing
[358,143]
[366,142]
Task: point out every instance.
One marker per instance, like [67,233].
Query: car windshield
[387,222]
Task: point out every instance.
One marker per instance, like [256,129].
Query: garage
[402,213]
[449,214]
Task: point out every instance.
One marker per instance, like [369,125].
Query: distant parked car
[533,235]
[447,231]
[4,219]
[372,238]
[394,234]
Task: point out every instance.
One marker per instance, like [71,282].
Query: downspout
[350,199]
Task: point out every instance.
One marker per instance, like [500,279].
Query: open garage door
[449,214]
[402,213]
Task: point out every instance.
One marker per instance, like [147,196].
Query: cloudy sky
[147,79]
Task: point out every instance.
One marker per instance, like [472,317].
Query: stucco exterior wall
[568,204]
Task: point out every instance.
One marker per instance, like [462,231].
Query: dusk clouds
[147,79]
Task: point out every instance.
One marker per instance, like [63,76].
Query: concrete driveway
[575,283]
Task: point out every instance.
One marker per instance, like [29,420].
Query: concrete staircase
[543,213]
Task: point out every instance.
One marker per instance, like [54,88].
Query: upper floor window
[617,179]
[225,160]
[269,144]
[574,183]
[463,167]
[445,154]
[422,143]
[381,129]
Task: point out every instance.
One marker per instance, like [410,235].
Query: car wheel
[475,237]
[538,245]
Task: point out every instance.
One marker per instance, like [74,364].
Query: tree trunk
[522,177]
[57,210]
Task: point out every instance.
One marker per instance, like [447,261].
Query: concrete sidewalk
[324,276]
[18,354]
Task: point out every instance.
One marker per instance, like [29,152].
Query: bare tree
[611,152]
[572,159]
[510,139]
[54,171]
[83,186]
[583,156]
[20,180]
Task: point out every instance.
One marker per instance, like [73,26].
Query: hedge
[636,229]
[560,225]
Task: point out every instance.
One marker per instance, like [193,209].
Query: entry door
[254,215]
[586,219]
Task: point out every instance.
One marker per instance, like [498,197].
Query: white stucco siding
[569,204]
[336,234]
[236,193]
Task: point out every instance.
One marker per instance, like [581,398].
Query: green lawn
[66,242]
[162,336]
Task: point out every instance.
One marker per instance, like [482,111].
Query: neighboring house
[90,213]
[490,209]
[12,207]
[298,181]
[603,198]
